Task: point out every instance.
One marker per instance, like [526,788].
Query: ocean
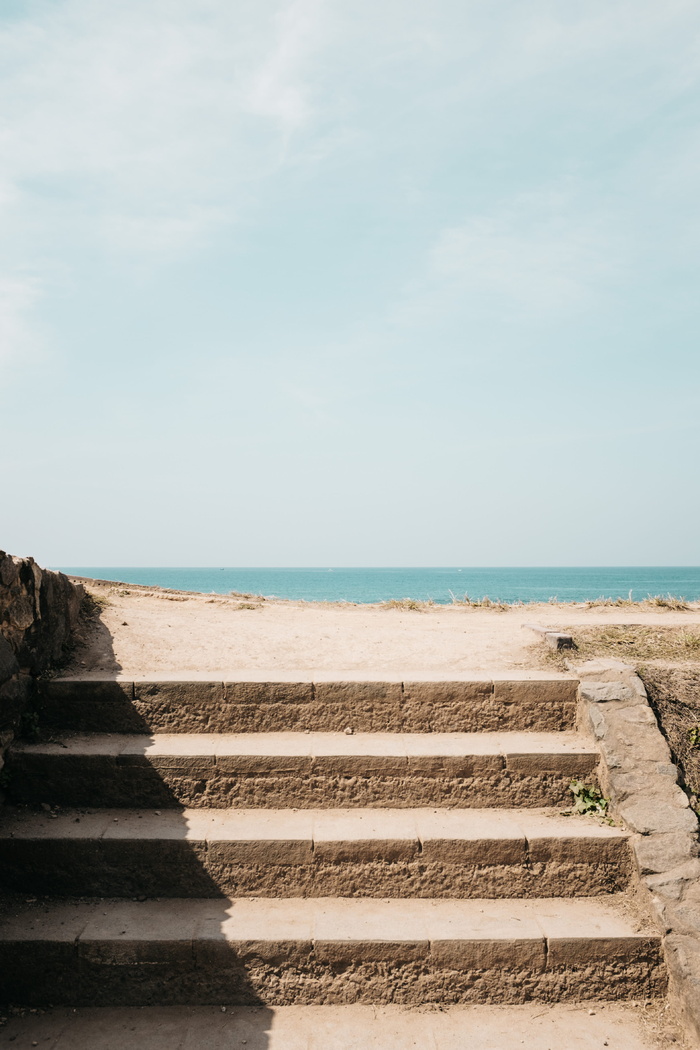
[332,584]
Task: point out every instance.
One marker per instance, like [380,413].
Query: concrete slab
[530,1027]
[321,744]
[341,917]
[317,825]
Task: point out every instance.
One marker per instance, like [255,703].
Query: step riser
[280,973]
[242,707]
[102,782]
[162,868]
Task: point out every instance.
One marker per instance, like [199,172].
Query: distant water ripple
[376,585]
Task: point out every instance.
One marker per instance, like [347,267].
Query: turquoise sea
[333,584]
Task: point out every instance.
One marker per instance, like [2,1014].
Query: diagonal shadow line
[197,966]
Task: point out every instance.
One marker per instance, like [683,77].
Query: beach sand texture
[146,632]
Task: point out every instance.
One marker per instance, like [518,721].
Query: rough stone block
[14,697]
[604,670]
[672,883]
[641,714]
[660,788]
[683,952]
[651,815]
[684,917]
[605,692]
[627,745]
[8,660]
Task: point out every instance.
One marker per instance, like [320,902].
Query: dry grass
[482,603]
[674,693]
[406,603]
[634,643]
[652,601]
[667,601]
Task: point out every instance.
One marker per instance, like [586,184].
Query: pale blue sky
[350,283]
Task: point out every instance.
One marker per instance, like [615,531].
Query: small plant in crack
[694,736]
[588,800]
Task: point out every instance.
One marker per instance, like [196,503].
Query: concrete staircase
[290,843]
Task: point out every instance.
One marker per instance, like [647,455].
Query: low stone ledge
[638,775]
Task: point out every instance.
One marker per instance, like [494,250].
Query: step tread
[337,676]
[311,825]
[309,745]
[329,919]
[539,1026]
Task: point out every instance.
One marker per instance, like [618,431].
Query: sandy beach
[146,632]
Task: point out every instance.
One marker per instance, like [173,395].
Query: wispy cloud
[137,132]
[157,117]
[539,258]
[18,337]
[277,88]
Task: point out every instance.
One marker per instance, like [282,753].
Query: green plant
[694,736]
[588,800]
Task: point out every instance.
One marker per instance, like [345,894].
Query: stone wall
[39,612]
[639,776]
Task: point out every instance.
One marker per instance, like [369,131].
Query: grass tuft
[406,603]
[481,603]
[667,601]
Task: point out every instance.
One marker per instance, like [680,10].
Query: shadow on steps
[134,950]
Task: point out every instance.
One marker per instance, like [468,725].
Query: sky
[332,282]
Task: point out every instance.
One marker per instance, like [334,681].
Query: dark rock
[39,612]
[8,660]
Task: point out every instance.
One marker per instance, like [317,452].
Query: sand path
[166,633]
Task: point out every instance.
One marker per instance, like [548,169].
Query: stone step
[328,950]
[309,770]
[312,853]
[76,705]
[534,1026]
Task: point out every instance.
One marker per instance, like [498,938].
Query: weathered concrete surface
[369,707]
[328,950]
[312,853]
[314,770]
[531,1027]
[334,903]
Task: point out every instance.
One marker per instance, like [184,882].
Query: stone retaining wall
[39,612]
[638,775]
